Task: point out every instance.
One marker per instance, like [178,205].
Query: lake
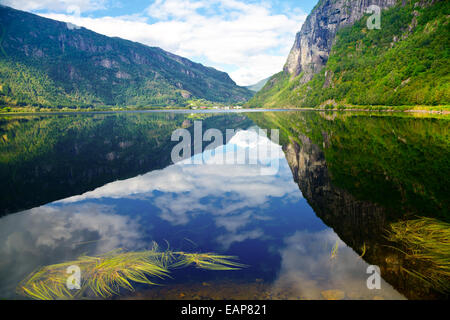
[316,215]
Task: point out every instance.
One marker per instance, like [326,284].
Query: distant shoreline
[429,110]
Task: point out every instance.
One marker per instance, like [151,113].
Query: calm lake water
[80,184]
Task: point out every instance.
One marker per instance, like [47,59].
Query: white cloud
[70,6]
[163,9]
[248,40]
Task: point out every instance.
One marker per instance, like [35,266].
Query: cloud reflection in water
[49,235]
[307,268]
[241,204]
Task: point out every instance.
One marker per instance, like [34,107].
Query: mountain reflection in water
[297,246]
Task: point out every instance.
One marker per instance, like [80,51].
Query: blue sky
[248,39]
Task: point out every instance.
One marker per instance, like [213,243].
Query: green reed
[105,275]
[208,261]
[425,241]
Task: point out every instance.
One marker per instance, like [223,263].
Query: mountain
[257,86]
[56,64]
[338,60]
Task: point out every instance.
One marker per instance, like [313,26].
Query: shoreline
[351,109]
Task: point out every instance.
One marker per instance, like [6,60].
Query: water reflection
[231,209]
[301,235]
[47,158]
[49,234]
[181,191]
[317,150]
[316,263]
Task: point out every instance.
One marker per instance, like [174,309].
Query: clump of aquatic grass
[117,270]
[47,283]
[208,261]
[105,275]
[425,241]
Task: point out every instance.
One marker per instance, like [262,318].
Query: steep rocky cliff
[314,41]
[343,57]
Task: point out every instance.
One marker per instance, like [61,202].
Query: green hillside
[406,62]
[258,86]
[47,63]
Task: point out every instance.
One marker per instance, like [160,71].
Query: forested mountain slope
[338,60]
[50,63]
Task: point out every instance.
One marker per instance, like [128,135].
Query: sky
[250,40]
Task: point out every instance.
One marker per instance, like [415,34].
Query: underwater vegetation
[425,242]
[334,251]
[105,275]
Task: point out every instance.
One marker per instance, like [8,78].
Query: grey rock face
[354,220]
[313,43]
[360,224]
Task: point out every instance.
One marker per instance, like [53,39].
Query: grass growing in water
[425,241]
[208,261]
[105,275]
